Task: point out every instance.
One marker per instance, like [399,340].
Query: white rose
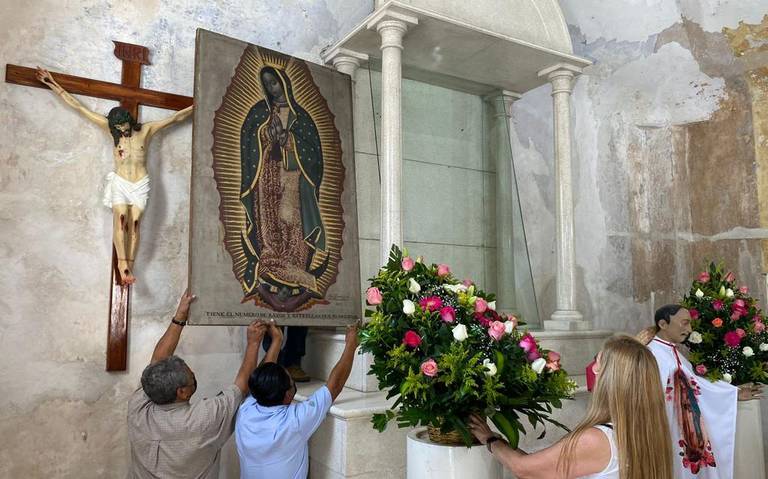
[509,326]
[460,332]
[538,365]
[408,307]
[454,288]
[413,286]
[490,367]
[747,351]
[727,377]
[763,346]
[492,305]
[695,338]
[699,293]
[729,293]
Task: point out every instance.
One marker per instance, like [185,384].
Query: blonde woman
[625,434]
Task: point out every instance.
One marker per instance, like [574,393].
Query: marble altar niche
[433,89]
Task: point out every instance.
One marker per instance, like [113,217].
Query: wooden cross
[130,95]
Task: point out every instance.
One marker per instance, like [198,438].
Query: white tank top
[611,471]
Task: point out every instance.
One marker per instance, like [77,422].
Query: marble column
[391,27]
[500,155]
[345,61]
[566,316]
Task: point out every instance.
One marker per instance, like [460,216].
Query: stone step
[346,445]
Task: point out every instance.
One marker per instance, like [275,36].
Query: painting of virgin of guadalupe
[281,176]
[281,165]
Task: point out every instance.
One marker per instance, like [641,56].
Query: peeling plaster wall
[670,159]
[61,415]
[665,165]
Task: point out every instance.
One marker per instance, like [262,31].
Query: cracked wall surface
[669,144]
[669,162]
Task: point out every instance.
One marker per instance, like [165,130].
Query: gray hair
[161,379]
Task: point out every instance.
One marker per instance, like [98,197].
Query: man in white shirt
[272,432]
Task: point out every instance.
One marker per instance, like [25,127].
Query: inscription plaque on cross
[130,95]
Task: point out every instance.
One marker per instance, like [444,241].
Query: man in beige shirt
[171,437]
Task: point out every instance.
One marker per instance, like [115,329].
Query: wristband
[180,323]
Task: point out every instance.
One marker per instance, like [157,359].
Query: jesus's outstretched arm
[45,77]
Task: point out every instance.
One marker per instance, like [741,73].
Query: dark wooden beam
[99,89]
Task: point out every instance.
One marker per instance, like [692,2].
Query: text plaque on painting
[273,222]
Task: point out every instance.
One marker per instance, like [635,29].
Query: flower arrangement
[729,339]
[439,346]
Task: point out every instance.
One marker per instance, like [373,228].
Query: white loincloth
[119,191]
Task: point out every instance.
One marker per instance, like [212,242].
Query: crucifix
[128,186]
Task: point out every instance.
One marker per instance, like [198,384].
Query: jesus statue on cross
[127,188]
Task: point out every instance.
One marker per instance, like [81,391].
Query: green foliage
[479,373]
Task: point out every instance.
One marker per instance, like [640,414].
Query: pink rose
[741,333]
[738,309]
[407,263]
[467,282]
[717,305]
[429,368]
[703,277]
[497,330]
[528,343]
[743,290]
[448,314]
[443,270]
[732,339]
[701,370]
[553,361]
[373,296]
[481,305]
[730,277]
[694,313]
[431,303]
[717,322]
[759,326]
[412,339]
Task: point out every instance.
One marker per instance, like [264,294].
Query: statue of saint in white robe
[702,416]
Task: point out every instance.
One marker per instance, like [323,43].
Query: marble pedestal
[749,459]
[346,445]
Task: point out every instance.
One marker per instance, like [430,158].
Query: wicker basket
[450,438]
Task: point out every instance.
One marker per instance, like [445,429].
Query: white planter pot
[428,460]
[749,460]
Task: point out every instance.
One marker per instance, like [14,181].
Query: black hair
[268,384]
[117,116]
[665,313]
